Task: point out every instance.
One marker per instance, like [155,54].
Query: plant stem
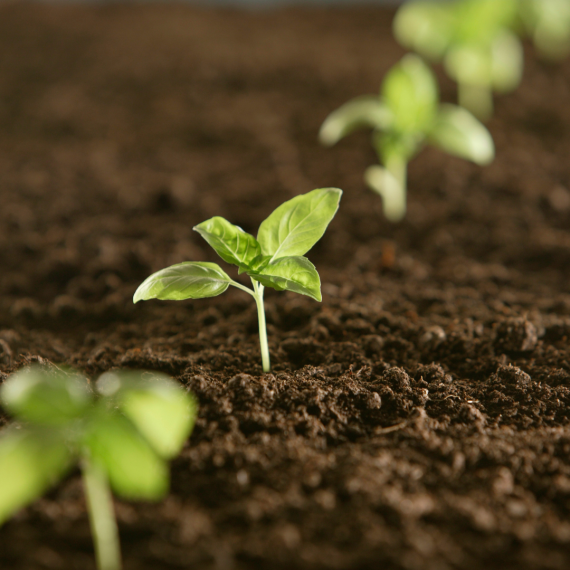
[265,361]
[476,98]
[102,517]
[396,203]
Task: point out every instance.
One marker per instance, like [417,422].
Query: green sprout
[404,117]
[474,40]
[275,259]
[548,23]
[121,437]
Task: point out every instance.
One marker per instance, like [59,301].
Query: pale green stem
[395,205]
[102,517]
[476,98]
[397,166]
[258,296]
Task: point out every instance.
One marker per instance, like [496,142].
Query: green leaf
[425,27]
[30,463]
[162,411]
[365,111]
[410,93]
[295,274]
[478,21]
[459,133]
[295,226]
[47,396]
[231,243]
[188,280]
[134,469]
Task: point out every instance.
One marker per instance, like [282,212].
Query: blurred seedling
[405,116]
[120,436]
[475,41]
[548,24]
[275,259]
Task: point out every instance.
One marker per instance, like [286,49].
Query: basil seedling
[405,116]
[121,437]
[474,40]
[275,259]
[548,23]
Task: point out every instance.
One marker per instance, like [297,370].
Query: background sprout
[121,437]
[474,40]
[548,23]
[405,116]
[275,259]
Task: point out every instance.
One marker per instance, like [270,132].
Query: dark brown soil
[418,419]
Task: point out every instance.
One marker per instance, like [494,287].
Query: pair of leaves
[472,37]
[431,27]
[138,422]
[406,107]
[410,101]
[275,258]
[141,420]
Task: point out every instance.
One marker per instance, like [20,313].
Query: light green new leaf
[231,243]
[295,226]
[188,280]
[260,262]
[410,93]
[42,395]
[30,463]
[459,133]
[163,412]
[295,274]
[134,469]
[397,144]
[365,111]
[425,27]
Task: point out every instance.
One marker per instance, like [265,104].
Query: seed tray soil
[418,418]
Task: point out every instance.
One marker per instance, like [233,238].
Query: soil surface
[418,418]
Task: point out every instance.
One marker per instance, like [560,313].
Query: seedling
[404,117]
[275,259]
[548,23]
[121,437]
[474,40]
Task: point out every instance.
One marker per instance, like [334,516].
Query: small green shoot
[406,115]
[121,437]
[548,23]
[474,40]
[275,259]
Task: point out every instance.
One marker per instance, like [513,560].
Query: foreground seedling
[473,39]
[121,437]
[275,259]
[405,116]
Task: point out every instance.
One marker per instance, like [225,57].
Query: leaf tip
[330,133]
